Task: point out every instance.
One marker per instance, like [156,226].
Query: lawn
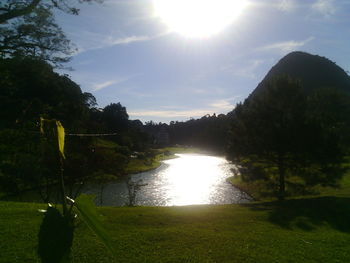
[261,190]
[302,230]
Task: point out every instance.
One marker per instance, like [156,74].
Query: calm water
[186,180]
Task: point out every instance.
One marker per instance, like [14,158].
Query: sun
[198,18]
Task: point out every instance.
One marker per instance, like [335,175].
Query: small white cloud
[103,85]
[325,7]
[222,105]
[128,40]
[286,46]
[287,5]
[99,86]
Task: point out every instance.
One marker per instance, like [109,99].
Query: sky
[126,53]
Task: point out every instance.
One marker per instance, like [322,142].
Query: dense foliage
[208,132]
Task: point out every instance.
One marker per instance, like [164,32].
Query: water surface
[187,180]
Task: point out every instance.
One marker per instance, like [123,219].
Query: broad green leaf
[53,129]
[60,137]
[89,215]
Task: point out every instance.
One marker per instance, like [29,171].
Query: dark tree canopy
[116,117]
[29,88]
[208,132]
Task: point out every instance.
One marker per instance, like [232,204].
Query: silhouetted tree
[30,88]
[115,117]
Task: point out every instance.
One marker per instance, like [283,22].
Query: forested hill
[313,71]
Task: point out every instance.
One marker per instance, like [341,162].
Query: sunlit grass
[311,230]
[261,190]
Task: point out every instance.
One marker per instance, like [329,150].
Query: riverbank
[304,230]
[140,165]
[261,190]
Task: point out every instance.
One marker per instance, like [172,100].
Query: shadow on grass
[55,237]
[308,213]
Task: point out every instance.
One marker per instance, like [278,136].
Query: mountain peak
[312,71]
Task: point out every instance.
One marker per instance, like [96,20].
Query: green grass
[183,150]
[106,143]
[303,230]
[140,165]
[261,190]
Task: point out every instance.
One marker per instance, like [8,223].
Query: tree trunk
[282,173]
[62,188]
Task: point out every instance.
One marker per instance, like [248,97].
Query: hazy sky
[127,54]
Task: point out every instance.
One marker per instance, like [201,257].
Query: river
[186,180]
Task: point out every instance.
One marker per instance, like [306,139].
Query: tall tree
[30,88]
[115,117]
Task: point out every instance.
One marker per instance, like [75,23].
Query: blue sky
[126,54]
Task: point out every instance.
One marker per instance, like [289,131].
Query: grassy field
[260,190]
[303,230]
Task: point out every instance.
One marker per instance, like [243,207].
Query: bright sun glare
[198,18]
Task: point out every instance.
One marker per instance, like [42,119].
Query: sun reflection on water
[187,180]
[191,179]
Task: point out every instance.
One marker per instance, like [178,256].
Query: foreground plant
[57,229]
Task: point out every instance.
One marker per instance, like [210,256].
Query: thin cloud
[246,71]
[128,40]
[111,41]
[222,105]
[168,113]
[287,5]
[105,84]
[218,106]
[282,5]
[325,7]
[132,39]
[286,46]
